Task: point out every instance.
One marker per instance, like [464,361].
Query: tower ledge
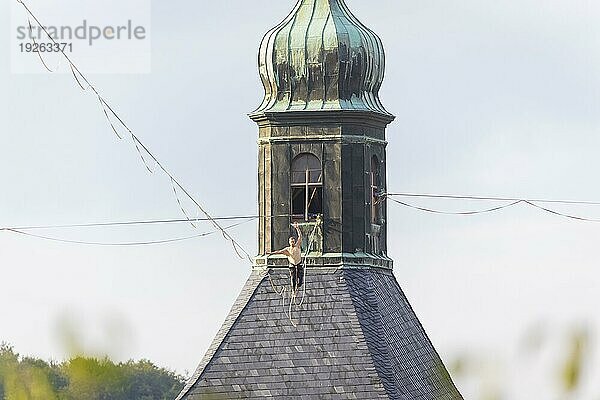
[357,260]
[322,117]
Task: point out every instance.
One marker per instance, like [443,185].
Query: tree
[83,378]
[23,380]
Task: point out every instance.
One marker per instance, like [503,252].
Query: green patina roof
[321,57]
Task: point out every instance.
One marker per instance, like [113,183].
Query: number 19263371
[46,47]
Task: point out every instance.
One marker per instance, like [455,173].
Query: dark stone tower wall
[345,144]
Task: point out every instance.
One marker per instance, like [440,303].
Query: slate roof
[356,337]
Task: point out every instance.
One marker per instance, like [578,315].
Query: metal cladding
[321,57]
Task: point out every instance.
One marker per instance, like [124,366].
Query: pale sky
[492,98]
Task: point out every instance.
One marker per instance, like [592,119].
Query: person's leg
[292,277]
[300,274]
[296,278]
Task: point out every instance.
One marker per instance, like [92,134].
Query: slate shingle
[355,336]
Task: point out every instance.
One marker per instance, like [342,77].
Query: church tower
[322,136]
[348,332]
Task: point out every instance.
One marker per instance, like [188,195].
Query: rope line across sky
[120,244]
[512,202]
[116,122]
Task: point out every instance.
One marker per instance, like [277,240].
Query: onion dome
[321,57]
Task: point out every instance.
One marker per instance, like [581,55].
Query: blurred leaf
[534,340]
[459,367]
[571,371]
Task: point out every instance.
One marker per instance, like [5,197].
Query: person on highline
[294,256]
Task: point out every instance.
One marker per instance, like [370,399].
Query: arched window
[376,191]
[307,187]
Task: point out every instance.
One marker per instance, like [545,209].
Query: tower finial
[321,57]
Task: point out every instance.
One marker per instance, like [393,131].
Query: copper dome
[321,57]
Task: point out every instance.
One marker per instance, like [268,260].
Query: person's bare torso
[294,255]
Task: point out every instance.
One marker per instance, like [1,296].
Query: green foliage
[93,379]
[571,371]
[83,378]
[144,380]
[22,380]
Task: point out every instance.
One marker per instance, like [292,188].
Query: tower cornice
[322,117]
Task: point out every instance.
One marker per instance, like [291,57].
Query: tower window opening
[377,191]
[307,187]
